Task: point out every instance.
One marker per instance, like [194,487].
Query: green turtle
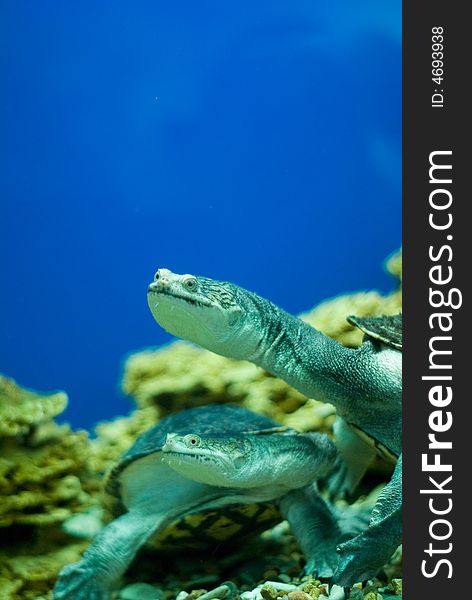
[207,474]
[364,384]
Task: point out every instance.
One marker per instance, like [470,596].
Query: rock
[84,525]
[397,585]
[373,596]
[232,590]
[221,592]
[336,593]
[196,594]
[314,588]
[282,586]
[269,592]
[298,595]
[254,594]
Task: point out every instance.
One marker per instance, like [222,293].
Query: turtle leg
[354,458]
[320,527]
[361,557]
[315,527]
[107,558]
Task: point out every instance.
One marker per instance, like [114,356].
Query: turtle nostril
[168,443]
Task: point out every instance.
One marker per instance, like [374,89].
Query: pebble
[277,533]
[284,587]
[222,591]
[312,588]
[194,594]
[336,593]
[268,592]
[181,595]
[397,586]
[141,591]
[270,573]
[298,595]
[233,590]
[85,525]
[254,594]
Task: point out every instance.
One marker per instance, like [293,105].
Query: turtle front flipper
[361,557]
[107,558]
[354,458]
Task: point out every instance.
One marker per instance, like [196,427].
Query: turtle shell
[213,526]
[381,449]
[223,526]
[386,328]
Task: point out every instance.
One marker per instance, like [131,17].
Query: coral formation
[41,462]
[29,569]
[21,409]
[48,472]
[44,478]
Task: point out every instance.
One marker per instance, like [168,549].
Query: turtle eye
[192,440]
[157,275]
[190,283]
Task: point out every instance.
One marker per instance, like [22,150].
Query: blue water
[258,142]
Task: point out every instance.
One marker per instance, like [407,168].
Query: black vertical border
[427,129]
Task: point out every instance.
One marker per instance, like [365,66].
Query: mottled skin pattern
[204,459]
[364,384]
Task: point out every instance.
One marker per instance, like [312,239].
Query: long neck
[308,360]
[361,383]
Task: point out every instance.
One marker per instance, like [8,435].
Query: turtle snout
[160,285]
[162,280]
[169,443]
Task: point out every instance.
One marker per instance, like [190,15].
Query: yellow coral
[21,408]
[30,573]
[41,484]
[393,264]
[44,478]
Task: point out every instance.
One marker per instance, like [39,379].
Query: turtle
[207,474]
[364,384]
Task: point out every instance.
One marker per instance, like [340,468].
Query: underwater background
[257,142]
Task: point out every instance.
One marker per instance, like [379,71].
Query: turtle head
[214,460]
[275,461]
[200,310]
